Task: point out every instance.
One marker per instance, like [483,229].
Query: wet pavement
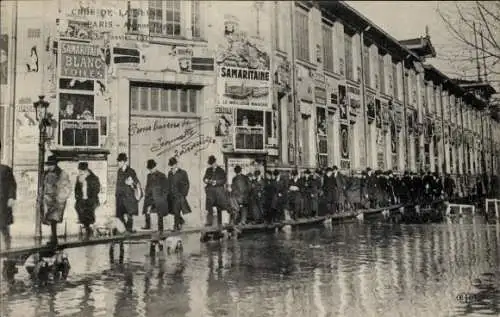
[357,269]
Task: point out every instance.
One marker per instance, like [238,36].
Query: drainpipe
[363,93]
[294,87]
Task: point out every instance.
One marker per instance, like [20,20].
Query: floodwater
[357,269]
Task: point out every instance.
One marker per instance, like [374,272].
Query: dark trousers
[128,221]
[210,217]
[5,232]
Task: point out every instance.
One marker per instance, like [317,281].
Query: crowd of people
[260,196]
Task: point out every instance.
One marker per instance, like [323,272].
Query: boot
[147,218]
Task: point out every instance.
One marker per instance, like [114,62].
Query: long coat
[280,197]
[178,191]
[155,194]
[312,187]
[216,195]
[85,208]
[126,203]
[8,189]
[240,189]
[57,188]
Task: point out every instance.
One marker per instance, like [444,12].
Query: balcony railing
[249,138]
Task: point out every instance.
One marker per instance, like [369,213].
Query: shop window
[249,130]
[164,99]
[302,34]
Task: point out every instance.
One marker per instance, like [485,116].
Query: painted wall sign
[81,60]
[344,141]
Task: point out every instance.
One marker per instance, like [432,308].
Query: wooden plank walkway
[18,252]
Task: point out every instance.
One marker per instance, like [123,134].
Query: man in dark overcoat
[312,186]
[330,191]
[371,187]
[155,195]
[215,179]
[449,186]
[269,194]
[126,199]
[240,190]
[279,203]
[87,188]
[257,197]
[8,192]
[177,194]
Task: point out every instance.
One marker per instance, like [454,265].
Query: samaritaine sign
[81,60]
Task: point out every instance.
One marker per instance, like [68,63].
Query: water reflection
[356,269]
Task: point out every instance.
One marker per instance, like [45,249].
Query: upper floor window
[169,19]
[381,69]
[348,57]
[395,81]
[328,47]
[302,34]
[366,65]
[195,19]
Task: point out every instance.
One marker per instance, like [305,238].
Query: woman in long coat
[57,188]
[87,188]
[155,199]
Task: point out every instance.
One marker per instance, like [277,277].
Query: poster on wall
[4,59]
[243,57]
[344,141]
[224,127]
[26,135]
[343,106]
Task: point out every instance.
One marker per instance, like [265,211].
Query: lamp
[46,129]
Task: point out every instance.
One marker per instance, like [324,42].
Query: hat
[237,169]
[150,164]
[318,171]
[211,160]
[172,161]
[51,160]
[122,157]
[256,173]
[307,172]
[368,169]
[335,168]
[276,172]
[295,173]
[83,166]
[329,169]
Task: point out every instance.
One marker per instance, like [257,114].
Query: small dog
[107,227]
[174,244]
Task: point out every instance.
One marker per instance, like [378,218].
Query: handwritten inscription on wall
[172,137]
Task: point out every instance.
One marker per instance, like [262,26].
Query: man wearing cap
[56,191]
[87,188]
[215,179]
[127,201]
[8,191]
[155,196]
[178,181]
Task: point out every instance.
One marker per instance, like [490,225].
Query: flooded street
[370,269]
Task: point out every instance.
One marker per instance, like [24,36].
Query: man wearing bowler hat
[215,179]
[56,191]
[155,198]
[87,188]
[127,184]
[178,190]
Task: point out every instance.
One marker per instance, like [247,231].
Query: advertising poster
[224,127]
[343,106]
[26,135]
[344,141]
[243,58]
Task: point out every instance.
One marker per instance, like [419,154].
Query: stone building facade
[281,84]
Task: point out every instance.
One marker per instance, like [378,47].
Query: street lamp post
[46,132]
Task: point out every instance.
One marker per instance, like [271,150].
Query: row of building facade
[283,84]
